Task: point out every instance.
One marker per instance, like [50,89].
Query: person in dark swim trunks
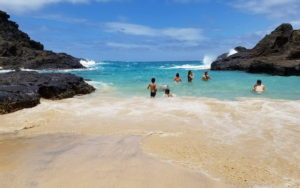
[152,87]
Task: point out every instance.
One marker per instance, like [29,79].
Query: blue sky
[147,30]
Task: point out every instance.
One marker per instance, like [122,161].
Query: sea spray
[207,60]
[231,52]
[88,63]
[204,65]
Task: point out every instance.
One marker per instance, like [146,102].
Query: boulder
[277,53]
[23,89]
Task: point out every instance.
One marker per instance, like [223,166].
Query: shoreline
[201,136]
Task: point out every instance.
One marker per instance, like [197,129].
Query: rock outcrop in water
[17,50]
[277,53]
[22,89]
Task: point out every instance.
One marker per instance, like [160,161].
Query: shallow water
[126,79]
[220,136]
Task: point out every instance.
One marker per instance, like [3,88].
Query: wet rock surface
[22,89]
[277,53]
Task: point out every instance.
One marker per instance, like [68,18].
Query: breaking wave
[90,63]
[189,67]
[207,60]
[231,52]
[5,71]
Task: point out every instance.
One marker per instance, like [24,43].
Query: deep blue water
[126,79]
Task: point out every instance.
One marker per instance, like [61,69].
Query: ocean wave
[5,71]
[102,86]
[91,63]
[208,59]
[188,67]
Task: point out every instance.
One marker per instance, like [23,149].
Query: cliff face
[17,50]
[277,53]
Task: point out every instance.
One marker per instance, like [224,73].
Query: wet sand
[94,161]
[187,142]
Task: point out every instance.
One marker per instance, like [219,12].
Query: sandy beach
[91,141]
[149,94]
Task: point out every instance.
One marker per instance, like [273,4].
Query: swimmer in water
[259,87]
[190,76]
[205,77]
[177,78]
[167,93]
[152,87]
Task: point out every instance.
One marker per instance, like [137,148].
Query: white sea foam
[189,67]
[91,63]
[231,52]
[88,63]
[102,86]
[275,123]
[208,59]
[5,71]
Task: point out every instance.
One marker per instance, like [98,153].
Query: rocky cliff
[277,53]
[17,50]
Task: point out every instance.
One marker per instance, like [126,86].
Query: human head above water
[167,91]
[205,73]
[153,80]
[177,75]
[258,82]
[190,72]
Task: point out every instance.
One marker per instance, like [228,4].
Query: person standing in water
[205,77]
[152,87]
[190,76]
[177,78]
[259,87]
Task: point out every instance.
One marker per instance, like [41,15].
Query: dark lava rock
[17,50]
[277,53]
[22,89]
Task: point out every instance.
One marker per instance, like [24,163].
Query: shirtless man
[177,78]
[259,87]
[205,77]
[152,87]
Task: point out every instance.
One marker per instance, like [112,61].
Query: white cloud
[180,34]
[28,5]
[61,18]
[283,9]
[128,45]
[132,29]
[183,34]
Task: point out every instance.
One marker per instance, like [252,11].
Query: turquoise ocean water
[130,79]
